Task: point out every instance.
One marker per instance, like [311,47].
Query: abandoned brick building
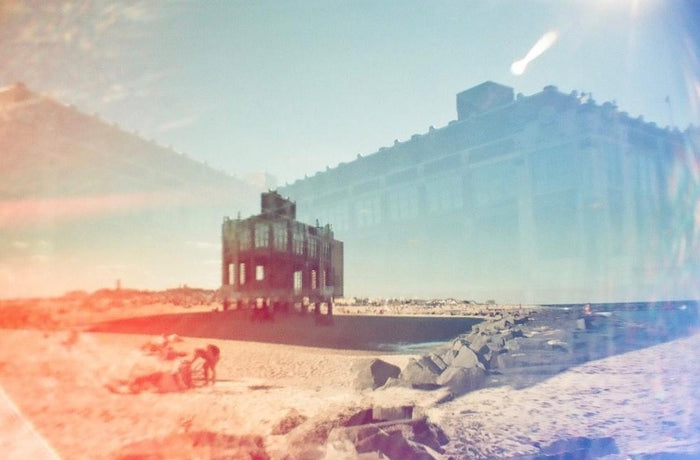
[275,261]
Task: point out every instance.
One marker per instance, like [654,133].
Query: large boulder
[465,357]
[438,361]
[446,354]
[421,373]
[528,344]
[374,374]
[512,333]
[478,340]
[458,343]
[396,383]
[488,353]
[491,327]
[487,345]
[430,435]
[391,413]
[400,438]
[462,380]
[393,444]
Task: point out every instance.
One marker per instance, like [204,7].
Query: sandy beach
[285,400]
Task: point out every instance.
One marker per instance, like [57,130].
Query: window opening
[231,273]
[297,282]
[298,241]
[262,235]
[244,241]
[313,248]
[279,235]
[241,273]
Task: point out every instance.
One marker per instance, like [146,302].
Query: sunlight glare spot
[543,44]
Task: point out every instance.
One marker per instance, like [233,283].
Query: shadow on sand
[534,360]
[556,343]
[356,332]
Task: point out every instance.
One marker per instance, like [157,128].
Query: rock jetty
[460,366]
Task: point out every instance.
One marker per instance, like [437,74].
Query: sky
[293,87]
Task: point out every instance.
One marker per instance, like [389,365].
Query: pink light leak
[35,211]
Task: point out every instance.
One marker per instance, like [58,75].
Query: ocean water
[407,348]
[672,318]
[625,327]
[632,326]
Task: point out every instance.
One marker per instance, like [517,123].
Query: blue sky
[293,87]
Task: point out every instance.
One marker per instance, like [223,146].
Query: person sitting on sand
[178,379]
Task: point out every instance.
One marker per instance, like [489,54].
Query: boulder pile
[398,433]
[462,365]
[504,343]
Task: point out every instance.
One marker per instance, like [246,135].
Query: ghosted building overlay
[547,198]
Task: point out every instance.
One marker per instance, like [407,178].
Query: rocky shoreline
[518,349]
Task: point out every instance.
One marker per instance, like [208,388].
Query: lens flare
[543,44]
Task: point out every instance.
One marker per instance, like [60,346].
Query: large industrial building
[543,198]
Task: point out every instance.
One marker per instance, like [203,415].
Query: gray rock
[559,345]
[438,361]
[375,374]
[392,444]
[400,439]
[473,335]
[513,333]
[448,356]
[429,434]
[486,354]
[420,372]
[478,341]
[428,362]
[461,380]
[502,361]
[491,327]
[497,341]
[396,383]
[459,343]
[383,413]
[513,345]
[528,344]
[465,357]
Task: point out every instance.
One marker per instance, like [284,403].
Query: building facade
[275,260]
[545,198]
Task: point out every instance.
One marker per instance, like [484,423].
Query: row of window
[300,240]
[398,204]
[316,280]
[594,170]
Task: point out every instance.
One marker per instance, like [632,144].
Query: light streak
[37,211]
[543,44]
